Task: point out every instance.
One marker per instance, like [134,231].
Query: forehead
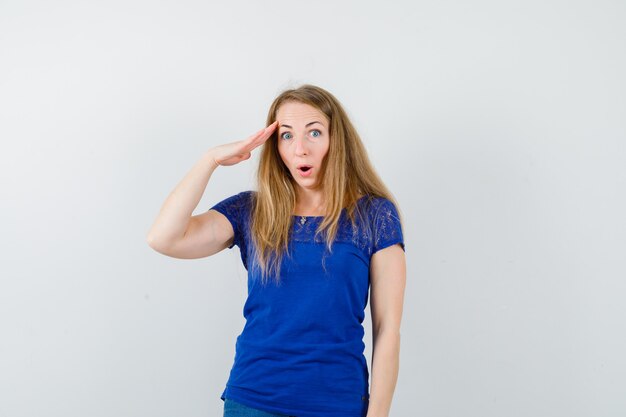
[299,113]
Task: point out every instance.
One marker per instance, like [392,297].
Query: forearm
[171,222]
[385,366]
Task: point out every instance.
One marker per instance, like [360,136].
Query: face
[303,140]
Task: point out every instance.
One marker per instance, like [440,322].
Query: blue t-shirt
[301,350]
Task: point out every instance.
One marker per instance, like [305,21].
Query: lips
[305,170]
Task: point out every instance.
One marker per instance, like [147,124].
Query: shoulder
[376,205]
[247,195]
[386,223]
[235,203]
[244,198]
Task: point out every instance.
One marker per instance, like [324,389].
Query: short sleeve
[387,229]
[234,208]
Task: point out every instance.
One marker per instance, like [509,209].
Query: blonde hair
[346,175]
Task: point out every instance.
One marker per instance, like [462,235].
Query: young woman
[321,229]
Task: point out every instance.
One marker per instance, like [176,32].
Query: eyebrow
[307,125]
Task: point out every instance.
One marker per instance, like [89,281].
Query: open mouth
[305,170]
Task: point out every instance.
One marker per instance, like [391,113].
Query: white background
[498,125]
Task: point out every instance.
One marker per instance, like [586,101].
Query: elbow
[154,243]
[387,334]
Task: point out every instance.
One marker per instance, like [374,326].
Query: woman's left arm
[387,280]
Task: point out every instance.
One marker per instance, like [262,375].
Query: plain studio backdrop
[499,126]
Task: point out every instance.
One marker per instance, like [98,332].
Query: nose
[301,146]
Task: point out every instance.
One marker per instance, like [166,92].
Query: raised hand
[235,152]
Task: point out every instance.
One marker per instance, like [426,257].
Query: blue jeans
[235,409]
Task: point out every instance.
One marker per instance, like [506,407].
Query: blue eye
[319,133]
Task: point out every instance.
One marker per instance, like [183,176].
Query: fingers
[261,136]
[264,132]
[240,150]
[268,130]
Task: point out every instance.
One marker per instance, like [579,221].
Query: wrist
[209,158]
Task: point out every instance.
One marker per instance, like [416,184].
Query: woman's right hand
[235,152]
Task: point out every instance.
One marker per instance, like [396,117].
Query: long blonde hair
[346,175]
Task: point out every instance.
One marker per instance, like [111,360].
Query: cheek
[325,150]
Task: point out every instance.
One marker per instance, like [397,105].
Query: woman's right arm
[176,232]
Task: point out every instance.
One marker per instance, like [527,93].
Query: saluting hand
[235,152]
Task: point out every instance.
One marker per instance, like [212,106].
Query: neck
[309,203]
